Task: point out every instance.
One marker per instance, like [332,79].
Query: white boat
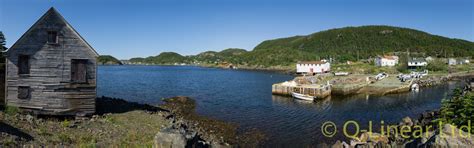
[381,76]
[415,87]
[341,73]
[302,96]
[424,73]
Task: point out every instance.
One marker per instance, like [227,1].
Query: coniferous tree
[2,46]
[2,41]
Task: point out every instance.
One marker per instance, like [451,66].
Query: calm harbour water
[244,97]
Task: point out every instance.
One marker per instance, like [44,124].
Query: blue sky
[133,28]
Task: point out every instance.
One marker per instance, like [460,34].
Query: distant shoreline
[275,70]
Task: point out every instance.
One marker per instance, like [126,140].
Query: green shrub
[43,131]
[437,65]
[11,110]
[65,123]
[458,110]
[110,119]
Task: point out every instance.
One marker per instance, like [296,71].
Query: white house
[386,60]
[416,63]
[466,61]
[313,67]
[452,61]
[458,61]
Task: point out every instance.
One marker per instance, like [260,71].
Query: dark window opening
[24,92]
[79,70]
[52,37]
[23,64]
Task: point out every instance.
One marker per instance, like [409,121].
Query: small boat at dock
[341,73]
[381,76]
[302,96]
[415,87]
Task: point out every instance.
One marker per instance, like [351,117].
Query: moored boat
[302,96]
[341,73]
[415,87]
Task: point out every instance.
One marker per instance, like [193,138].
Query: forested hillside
[341,44]
[108,60]
[349,43]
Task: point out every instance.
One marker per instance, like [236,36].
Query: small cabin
[51,69]
[416,63]
[452,61]
[386,60]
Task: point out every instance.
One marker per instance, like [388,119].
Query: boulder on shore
[406,122]
[450,136]
[170,138]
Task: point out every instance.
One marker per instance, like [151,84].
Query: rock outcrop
[445,136]
[170,138]
[449,136]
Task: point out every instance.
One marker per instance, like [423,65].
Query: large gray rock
[450,136]
[406,122]
[373,137]
[170,138]
[340,144]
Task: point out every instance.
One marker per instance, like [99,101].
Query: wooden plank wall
[52,91]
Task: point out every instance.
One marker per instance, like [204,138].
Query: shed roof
[417,60]
[311,62]
[389,57]
[53,11]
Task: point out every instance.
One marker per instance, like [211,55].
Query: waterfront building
[51,69]
[386,60]
[452,61]
[311,67]
[416,63]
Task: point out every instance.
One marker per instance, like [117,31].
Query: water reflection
[244,98]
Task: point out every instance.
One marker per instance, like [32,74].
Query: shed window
[79,70]
[52,37]
[23,64]
[24,92]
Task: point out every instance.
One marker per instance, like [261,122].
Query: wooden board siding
[49,78]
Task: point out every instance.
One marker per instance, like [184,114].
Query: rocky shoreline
[439,135]
[200,131]
[122,123]
[425,131]
[437,80]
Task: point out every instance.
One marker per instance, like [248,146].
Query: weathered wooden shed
[51,69]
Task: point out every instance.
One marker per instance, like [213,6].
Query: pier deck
[317,90]
[388,85]
[344,86]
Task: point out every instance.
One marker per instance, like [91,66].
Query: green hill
[108,60]
[341,44]
[232,55]
[162,58]
[137,59]
[347,43]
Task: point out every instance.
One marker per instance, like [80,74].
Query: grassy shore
[117,123]
[126,124]
[135,128]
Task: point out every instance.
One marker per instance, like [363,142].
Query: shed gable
[51,22]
